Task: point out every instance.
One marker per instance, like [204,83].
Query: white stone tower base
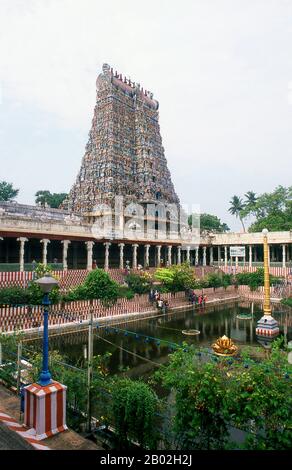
[267,326]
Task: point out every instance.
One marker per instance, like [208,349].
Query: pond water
[140,345]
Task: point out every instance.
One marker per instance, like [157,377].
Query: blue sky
[221,70]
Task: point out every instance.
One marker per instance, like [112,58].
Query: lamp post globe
[46,283]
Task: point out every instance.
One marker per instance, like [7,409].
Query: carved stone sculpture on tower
[124,155]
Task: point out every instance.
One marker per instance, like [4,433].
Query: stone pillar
[219,255]
[250,256]
[169,254]
[272,252]
[89,246]
[135,246]
[22,241]
[225,256]
[106,259]
[211,256]
[284,256]
[45,243]
[147,248]
[188,254]
[121,245]
[158,254]
[179,255]
[197,256]
[65,253]
[255,254]
[204,256]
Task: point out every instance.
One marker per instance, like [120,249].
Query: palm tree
[236,207]
[250,198]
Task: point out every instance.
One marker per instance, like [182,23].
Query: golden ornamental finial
[224,346]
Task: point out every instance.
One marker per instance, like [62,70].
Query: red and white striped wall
[22,431]
[45,409]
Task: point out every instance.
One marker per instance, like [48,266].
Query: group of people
[197,299]
[161,304]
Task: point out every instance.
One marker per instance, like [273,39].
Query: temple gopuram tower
[124,155]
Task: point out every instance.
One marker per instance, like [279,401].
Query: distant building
[124,155]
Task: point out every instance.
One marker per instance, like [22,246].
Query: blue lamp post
[46,284]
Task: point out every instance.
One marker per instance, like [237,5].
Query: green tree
[250,198]
[7,192]
[210,223]
[249,204]
[97,285]
[273,210]
[53,200]
[177,277]
[236,207]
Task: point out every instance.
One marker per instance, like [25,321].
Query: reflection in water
[212,322]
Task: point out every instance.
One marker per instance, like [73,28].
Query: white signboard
[237,251]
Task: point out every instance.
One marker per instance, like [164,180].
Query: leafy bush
[139,283]
[126,292]
[255,279]
[134,409]
[176,278]
[227,280]
[30,296]
[287,301]
[211,395]
[78,293]
[97,285]
[13,296]
[216,280]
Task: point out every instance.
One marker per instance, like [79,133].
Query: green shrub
[13,296]
[78,293]
[32,295]
[134,409]
[287,301]
[211,395]
[139,283]
[126,292]
[97,285]
[176,278]
[255,279]
[227,280]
